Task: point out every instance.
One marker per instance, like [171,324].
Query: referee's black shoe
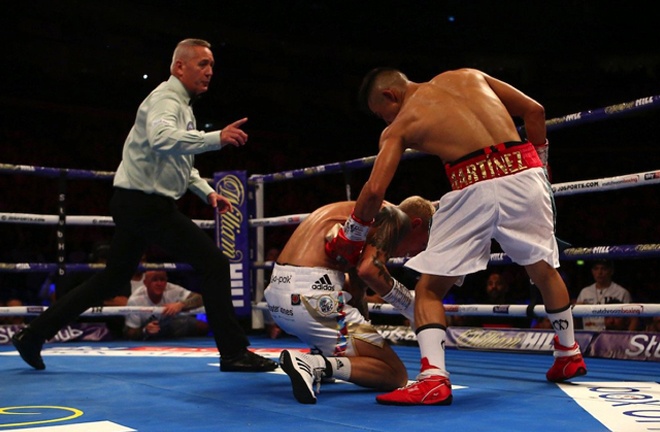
[29,347]
[246,361]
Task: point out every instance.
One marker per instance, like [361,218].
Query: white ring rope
[39,219]
[579,311]
[605,184]
[559,189]
[96,311]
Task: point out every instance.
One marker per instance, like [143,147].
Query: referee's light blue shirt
[159,152]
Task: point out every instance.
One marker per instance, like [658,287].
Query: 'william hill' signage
[232,236]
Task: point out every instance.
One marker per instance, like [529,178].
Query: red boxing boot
[427,390]
[568,363]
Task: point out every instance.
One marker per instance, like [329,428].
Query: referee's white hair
[182,49]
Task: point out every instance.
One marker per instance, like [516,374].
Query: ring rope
[39,219]
[96,311]
[608,183]
[604,113]
[648,250]
[56,172]
[560,189]
[84,267]
[579,311]
[552,124]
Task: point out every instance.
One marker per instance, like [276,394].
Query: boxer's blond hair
[418,207]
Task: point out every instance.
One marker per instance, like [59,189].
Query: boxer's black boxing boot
[29,347]
[246,361]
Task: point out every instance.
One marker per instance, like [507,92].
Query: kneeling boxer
[308,297]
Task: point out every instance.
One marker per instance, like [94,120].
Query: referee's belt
[498,160]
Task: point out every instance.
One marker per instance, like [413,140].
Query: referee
[156,170]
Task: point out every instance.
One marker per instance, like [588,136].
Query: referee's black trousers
[141,220]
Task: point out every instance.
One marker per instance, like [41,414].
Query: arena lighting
[579,262]
[145,76]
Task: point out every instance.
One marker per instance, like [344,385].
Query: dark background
[72,78]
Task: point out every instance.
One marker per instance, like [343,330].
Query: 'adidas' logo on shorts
[324,283]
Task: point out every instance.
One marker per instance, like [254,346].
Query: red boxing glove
[347,244]
[343,250]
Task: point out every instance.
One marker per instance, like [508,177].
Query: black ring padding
[530,311]
[568,306]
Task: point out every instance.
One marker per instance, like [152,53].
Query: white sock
[341,367]
[562,323]
[432,347]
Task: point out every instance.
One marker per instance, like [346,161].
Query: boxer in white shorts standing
[309,297]
[500,191]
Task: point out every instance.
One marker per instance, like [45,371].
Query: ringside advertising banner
[75,332]
[232,236]
[623,345]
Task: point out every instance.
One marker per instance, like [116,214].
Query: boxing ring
[490,370]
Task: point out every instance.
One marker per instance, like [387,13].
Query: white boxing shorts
[516,210]
[309,303]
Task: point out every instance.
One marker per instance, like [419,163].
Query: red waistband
[491,162]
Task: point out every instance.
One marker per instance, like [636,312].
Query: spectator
[156,291]
[603,291]
[617,323]
[272,254]
[654,325]
[542,324]
[497,292]
[137,280]
[497,289]
[13,319]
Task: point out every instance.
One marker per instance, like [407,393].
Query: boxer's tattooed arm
[380,264]
[358,290]
[390,227]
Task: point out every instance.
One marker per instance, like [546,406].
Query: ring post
[231,236]
[61,224]
[256,191]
